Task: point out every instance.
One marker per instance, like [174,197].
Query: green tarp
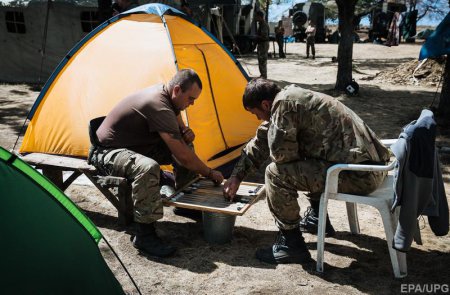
[47,245]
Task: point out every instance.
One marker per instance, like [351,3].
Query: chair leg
[321,232]
[352,213]
[398,259]
[417,236]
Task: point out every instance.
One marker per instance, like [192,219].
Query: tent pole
[163,19]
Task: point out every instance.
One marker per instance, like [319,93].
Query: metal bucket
[218,227]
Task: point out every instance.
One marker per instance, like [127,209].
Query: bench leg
[55,175]
[125,210]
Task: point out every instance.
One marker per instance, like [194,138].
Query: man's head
[186,8]
[185,87]
[124,4]
[258,97]
[259,15]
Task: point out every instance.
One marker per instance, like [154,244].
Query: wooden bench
[118,191]
[115,189]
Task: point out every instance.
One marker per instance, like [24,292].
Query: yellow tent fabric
[142,47]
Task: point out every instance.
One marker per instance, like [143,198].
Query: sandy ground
[353,264]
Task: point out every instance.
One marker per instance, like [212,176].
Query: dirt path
[354,264]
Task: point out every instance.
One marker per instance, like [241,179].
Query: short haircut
[185,78]
[260,13]
[257,90]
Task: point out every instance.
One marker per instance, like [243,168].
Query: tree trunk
[266,11]
[346,12]
[444,102]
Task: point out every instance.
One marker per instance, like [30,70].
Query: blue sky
[276,11]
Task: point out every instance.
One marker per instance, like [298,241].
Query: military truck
[231,21]
[301,13]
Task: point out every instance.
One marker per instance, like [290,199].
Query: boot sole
[304,259]
[142,251]
[314,232]
[286,259]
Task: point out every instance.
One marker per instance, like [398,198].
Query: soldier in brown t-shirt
[142,132]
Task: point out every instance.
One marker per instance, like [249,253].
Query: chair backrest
[94,124]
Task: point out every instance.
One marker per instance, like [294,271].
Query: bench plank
[63,162]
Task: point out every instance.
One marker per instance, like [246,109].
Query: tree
[348,20]
[435,9]
[349,13]
[346,16]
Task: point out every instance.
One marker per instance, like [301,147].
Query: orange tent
[131,51]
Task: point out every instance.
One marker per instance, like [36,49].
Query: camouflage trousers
[282,182]
[263,50]
[144,175]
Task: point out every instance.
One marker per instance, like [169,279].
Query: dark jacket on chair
[418,185]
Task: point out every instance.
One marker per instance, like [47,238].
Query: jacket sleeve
[282,137]
[400,152]
[255,153]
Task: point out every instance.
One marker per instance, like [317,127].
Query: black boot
[289,247]
[148,241]
[310,221]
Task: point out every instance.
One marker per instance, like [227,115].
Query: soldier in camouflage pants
[145,172]
[304,133]
[262,47]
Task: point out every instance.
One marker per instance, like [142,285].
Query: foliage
[435,9]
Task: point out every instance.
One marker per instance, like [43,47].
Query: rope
[439,84]
[44,40]
[20,131]
[234,43]
[121,263]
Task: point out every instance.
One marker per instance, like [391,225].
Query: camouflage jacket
[306,124]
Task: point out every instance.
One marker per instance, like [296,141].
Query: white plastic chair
[381,199]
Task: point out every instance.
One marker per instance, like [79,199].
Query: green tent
[47,245]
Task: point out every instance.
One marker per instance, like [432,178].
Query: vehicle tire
[299,18]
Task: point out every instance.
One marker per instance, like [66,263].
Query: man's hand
[188,135]
[230,187]
[215,176]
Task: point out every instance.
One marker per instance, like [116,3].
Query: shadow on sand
[370,258]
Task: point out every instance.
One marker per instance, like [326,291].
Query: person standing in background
[310,39]
[120,6]
[262,38]
[279,36]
